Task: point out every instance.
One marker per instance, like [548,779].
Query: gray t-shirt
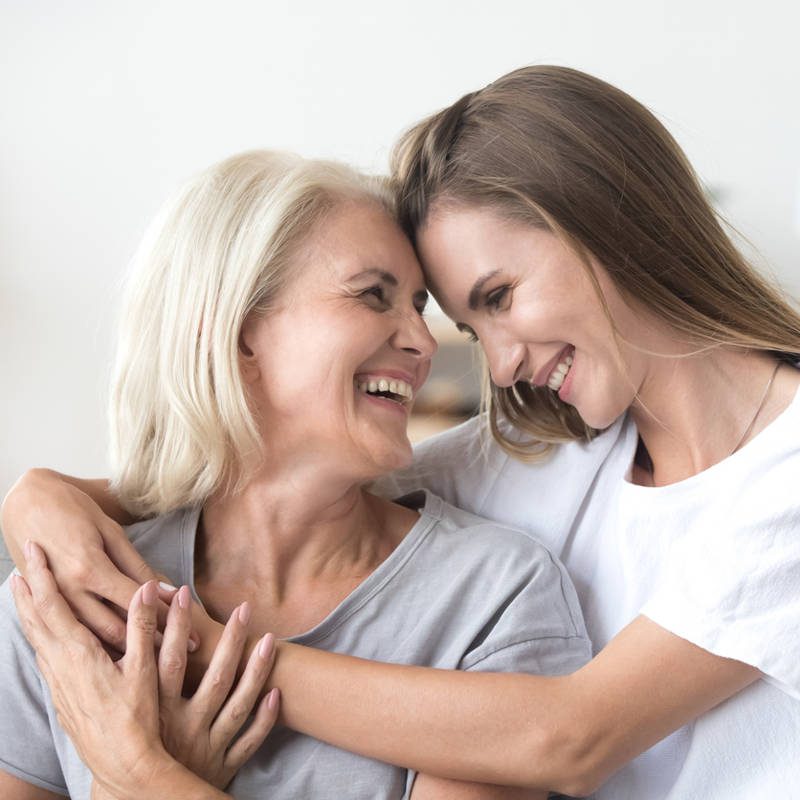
[459,592]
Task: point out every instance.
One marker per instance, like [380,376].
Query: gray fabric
[459,592]
[6,564]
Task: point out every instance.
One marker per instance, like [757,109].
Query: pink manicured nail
[184,598]
[244,613]
[150,593]
[272,699]
[265,646]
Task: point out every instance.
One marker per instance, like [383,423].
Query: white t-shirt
[714,559]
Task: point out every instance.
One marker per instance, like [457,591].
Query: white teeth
[557,376]
[400,388]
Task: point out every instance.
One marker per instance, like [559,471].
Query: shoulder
[506,565]
[469,469]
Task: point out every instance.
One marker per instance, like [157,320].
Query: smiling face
[332,371]
[528,299]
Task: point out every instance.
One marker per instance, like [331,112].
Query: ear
[248,364]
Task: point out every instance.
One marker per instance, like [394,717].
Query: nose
[413,336]
[506,361]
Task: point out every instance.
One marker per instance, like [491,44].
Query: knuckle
[81,573]
[42,603]
[172,663]
[247,749]
[216,679]
[237,712]
[144,624]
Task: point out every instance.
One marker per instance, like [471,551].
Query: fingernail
[191,646]
[273,698]
[27,550]
[244,613]
[183,597]
[150,593]
[265,646]
[167,587]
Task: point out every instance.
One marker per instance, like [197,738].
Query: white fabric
[714,559]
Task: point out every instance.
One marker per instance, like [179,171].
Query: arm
[563,733]
[567,733]
[13,788]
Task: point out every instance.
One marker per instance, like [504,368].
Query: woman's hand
[109,709]
[199,731]
[91,558]
[98,701]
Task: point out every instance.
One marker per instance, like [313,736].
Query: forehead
[356,236]
[458,243]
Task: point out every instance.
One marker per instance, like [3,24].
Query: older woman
[271,346]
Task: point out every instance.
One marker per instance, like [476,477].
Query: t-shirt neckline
[430,513]
[762,440]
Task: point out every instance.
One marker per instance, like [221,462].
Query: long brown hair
[561,150]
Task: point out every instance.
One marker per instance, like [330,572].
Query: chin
[600,418]
[396,455]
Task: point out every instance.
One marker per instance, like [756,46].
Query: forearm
[461,725]
[565,733]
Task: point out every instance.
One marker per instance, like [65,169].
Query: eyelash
[471,335]
[376,292]
[380,295]
[496,297]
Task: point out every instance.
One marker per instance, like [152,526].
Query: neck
[283,536]
[695,411]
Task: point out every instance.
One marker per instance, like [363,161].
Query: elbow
[568,760]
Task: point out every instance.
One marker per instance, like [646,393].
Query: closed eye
[375,293]
[462,328]
[498,299]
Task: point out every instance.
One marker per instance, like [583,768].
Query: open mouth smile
[393,389]
[558,375]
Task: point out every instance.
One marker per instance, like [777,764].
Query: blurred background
[106,107]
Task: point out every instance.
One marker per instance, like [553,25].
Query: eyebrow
[374,272]
[420,298]
[474,293]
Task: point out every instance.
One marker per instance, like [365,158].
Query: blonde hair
[561,150]
[223,249]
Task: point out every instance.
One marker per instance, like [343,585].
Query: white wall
[105,107]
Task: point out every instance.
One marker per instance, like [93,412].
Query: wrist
[158,776]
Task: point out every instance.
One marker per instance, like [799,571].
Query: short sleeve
[733,588]
[27,749]
[537,627]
